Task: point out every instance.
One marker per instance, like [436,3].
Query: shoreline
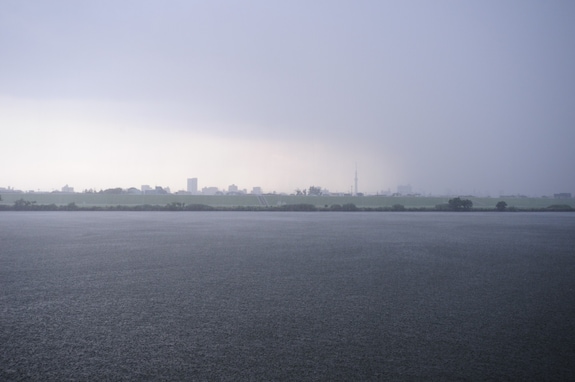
[72,207]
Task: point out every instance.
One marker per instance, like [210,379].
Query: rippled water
[287,296]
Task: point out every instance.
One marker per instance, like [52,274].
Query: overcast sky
[448,96]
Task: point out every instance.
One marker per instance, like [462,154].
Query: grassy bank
[274,202]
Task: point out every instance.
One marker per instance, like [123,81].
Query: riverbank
[25,205]
[101,201]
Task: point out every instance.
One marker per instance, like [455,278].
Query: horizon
[213,190]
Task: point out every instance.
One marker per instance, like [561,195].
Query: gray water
[287,296]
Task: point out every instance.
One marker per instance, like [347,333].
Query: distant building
[257,191]
[193,185]
[68,189]
[404,190]
[210,191]
[234,190]
[155,191]
[563,195]
[10,190]
[162,191]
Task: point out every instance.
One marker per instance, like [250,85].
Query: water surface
[287,296]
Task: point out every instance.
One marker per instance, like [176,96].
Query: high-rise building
[193,185]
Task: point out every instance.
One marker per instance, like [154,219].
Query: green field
[106,200]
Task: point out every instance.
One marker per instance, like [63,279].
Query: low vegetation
[455,204]
[560,207]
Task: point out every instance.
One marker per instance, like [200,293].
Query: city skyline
[194,187]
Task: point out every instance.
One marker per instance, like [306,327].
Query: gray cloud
[462,95]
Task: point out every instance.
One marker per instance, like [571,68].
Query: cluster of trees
[560,207]
[26,205]
[455,204]
[176,206]
[312,190]
[458,204]
[344,207]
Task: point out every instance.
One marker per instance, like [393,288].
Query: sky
[450,97]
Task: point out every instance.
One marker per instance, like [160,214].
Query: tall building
[193,185]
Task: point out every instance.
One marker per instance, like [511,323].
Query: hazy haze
[466,97]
